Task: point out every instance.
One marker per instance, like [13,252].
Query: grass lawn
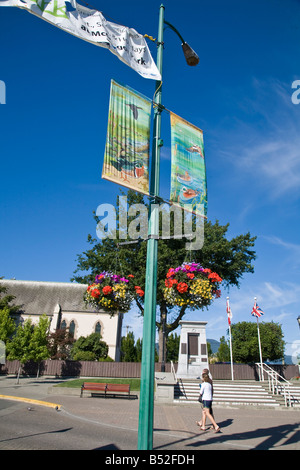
[76,383]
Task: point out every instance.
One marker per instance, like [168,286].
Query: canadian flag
[229,314]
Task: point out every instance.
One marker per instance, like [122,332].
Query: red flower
[190,275]
[106,290]
[171,272]
[169,282]
[182,287]
[95,293]
[215,277]
[130,275]
[139,291]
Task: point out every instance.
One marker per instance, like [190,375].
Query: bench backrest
[118,388]
[95,386]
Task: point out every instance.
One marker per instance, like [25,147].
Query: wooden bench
[105,387]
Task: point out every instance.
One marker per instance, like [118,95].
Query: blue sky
[53,130]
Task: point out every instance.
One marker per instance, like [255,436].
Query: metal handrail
[173,371]
[274,380]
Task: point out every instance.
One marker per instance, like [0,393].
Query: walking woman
[207,398]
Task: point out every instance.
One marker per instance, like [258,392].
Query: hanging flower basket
[191,285]
[112,292]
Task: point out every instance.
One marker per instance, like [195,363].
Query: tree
[231,259]
[7,325]
[30,342]
[128,349]
[6,300]
[19,348]
[7,309]
[245,346]
[173,342]
[223,353]
[39,341]
[89,348]
[60,343]
[138,349]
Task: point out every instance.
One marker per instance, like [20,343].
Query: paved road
[112,424]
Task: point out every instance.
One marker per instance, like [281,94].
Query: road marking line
[30,400]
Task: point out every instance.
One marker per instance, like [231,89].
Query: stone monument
[193,357]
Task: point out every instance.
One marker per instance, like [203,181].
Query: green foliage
[7,325]
[138,350]
[89,348]
[39,342]
[7,309]
[30,341]
[230,258]
[60,343]
[6,300]
[128,349]
[245,347]
[20,348]
[223,353]
[173,342]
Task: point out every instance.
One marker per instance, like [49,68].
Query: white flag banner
[126,43]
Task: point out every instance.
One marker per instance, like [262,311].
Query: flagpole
[259,345]
[230,342]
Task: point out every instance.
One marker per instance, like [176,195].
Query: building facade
[63,303]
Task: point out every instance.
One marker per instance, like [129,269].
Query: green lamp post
[145,430]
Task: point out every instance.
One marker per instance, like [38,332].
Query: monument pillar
[193,357]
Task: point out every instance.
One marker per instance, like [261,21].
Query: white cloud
[269,149]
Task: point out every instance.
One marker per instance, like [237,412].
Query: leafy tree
[209,351]
[39,341]
[7,325]
[138,349]
[19,348]
[128,349]
[173,342]
[89,348]
[6,300]
[223,353]
[245,346]
[60,343]
[231,259]
[30,342]
[7,309]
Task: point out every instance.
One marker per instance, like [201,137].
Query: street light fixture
[145,430]
[298,320]
[190,55]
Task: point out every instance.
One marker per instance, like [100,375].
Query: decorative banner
[128,45]
[126,159]
[188,173]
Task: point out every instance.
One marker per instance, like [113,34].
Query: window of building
[98,328]
[72,329]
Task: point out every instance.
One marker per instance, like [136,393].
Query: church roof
[37,297]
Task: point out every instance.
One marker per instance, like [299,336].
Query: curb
[30,400]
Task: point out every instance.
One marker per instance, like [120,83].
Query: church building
[63,303]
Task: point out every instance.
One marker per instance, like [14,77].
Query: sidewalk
[241,428]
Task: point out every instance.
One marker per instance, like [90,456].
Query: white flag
[126,43]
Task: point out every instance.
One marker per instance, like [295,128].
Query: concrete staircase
[234,393]
[293,396]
